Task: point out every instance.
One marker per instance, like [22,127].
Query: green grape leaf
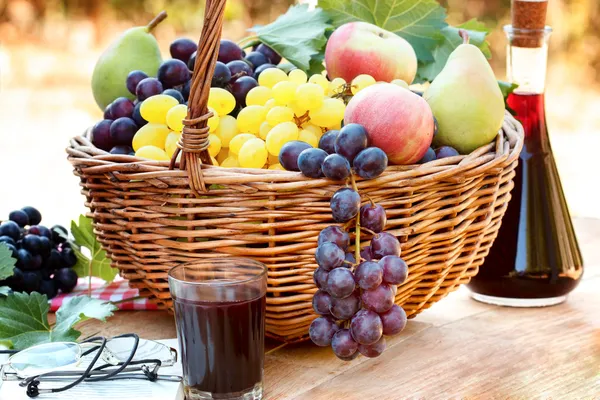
[298,36]
[24,318]
[4,290]
[477,34]
[507,88]
[7,263]
[99,264]
[417,21]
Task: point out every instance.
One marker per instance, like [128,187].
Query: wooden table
[459,348]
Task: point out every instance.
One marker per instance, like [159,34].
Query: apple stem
[157,20]
[464,35]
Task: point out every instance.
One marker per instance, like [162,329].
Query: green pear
[466,100]
[135,49]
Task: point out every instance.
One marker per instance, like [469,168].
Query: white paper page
[132,389]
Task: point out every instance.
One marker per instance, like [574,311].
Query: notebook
[134,389]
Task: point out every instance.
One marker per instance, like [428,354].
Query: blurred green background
[48,49]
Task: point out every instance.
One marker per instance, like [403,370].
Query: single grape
[327,141]
[394,320]
[345,308]
[221,100]
[11,229]
[330,114]
[123,150]
[229,51]
[370,163]
[260,69]
[154,109]
[192,61]
[366,327]
[133,79]
[395,270]
[107,114]
[298,76]
[239,68]
[309,137]
[241,87]
[373,350]
[147,88]
[344,203]
[321,331]
[66,279]
[185,90]
[310,162]
[384,244]
[273,57]
[54,260]
[351,140]
[221,76]
[445,152]
[31,281]
[271,76]
[309,96]
[334,234]
[101,135]
[36,262]
[8,240]
[176,94]
[19,217]
[122,131]
[137,116]
[35,217]
[69,257]
[320,278]
[340,283]
[39,230]
[258,96]
[288,156]
[321,302]
[45,247]
[350,259]
[379,299]
[343,344]
[48,287]
[362,81]
[319,80]
[368,275]
[429,156]
[279,135]
[436,127]
[336,167]
[253,153]
[150,135]
[279,114]
[182,49]
[257,59]
[329,256]
[24,260]
[173,73]
[373,217]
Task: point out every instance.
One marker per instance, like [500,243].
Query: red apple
[397,121]
[361,48]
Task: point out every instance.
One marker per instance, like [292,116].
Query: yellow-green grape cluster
[284,107]
[158,139]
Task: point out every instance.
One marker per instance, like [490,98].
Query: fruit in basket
[445,152]
[154,109]
[359,48]
[182,49]
[398,122]
[229,51]
[135,49]
[469,118]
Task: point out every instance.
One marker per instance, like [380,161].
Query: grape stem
[357,232]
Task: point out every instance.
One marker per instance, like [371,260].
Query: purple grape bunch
[45,258]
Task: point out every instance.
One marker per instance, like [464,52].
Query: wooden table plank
[458,348]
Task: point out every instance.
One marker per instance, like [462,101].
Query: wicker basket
[150,216]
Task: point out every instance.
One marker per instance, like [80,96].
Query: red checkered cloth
[116,291]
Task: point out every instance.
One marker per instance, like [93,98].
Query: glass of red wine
[220,316]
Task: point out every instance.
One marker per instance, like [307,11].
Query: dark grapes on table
[172,73]
[176,94]
[288,155]
[229,51]
[221,76]
[445,152]
[340,283]
[147,88]
[373,350]
[133,79]
[336,167]
[321,331]
[321,302]
[429,156]
[343,344]
[44,259]
[310,162]
[182,49]
[366,327]
[351,140]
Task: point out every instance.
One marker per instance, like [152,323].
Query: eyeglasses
[123,357]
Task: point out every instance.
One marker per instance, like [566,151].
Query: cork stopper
[529,16]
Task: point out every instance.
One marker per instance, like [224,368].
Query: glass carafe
[535,260]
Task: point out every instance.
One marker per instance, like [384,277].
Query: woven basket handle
[194,138]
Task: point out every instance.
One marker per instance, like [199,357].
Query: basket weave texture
[150,217]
